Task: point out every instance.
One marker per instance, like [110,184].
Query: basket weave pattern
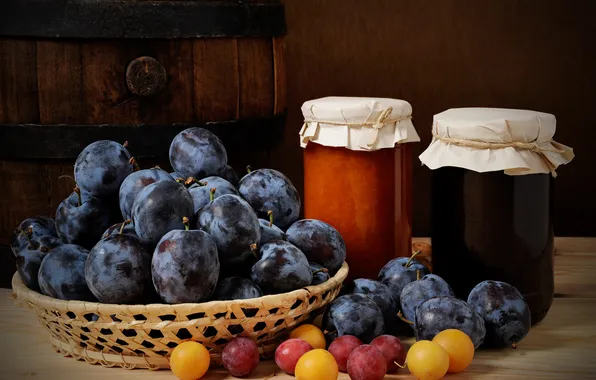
[143,336]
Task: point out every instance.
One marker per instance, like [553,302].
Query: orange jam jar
[358,176]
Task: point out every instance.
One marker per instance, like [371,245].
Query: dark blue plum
[30,229]
[354,314]
[233,225]
[236,288]
[126,228]
[81,220]
[229,174]
[269,189]
[159,208]
[505,311]
[101,167]
[62,274]
[269,231]
[319,274]
[320,242]
[30,256]
[185,266]
[382,295]
[416,292]
[441,313]
[197,152]
[399,272]
[118,270]
[134,183]
[282,268]
[201,193]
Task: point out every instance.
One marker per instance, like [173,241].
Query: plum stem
[74,181]
[401,316]
[212,194]
[253,249]
[78,191]
[412,258]
[127,221]
[180,180]
[156,167]
[186,223]
[190,180]
[418,274]
[28,234]
[399,365]
[248,168]
[270,213]
[67,176]
[126,144]
[324,270]
[326,332]
[135,164]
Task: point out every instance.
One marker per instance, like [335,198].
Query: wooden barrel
[73,72]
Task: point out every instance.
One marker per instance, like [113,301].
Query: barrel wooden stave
[216,68]
[18,81]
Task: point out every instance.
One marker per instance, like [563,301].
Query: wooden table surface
[562,347]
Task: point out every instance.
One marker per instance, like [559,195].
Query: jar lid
[364,124]
[492,139]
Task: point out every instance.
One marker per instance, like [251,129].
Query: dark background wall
[440,54]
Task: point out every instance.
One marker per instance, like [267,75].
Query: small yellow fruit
[189,361]
[459,347]
[427,360]
[317,364]
[310,333]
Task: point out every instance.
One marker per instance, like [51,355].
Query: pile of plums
[407,298]
[128,235]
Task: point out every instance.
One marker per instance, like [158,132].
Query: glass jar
[358,176]
[492,200]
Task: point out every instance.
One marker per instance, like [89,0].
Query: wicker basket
[142,336]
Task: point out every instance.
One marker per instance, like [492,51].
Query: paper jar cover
[492,139]
[363,124]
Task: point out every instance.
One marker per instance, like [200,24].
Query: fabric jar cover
[362,124]
[492,139]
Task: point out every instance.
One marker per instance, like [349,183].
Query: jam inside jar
[494,226]
[367,197]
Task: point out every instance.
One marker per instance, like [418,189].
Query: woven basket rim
[23,294]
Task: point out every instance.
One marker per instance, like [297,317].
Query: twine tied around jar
[531,146]
[376,125]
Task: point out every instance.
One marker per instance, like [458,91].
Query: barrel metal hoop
[139,19]
[66,141]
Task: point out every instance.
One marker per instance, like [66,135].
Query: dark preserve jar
[492,216]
